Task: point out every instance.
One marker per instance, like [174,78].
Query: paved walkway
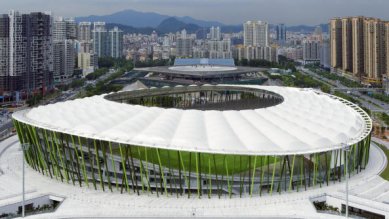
[86,202]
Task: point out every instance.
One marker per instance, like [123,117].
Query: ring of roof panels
[303,121]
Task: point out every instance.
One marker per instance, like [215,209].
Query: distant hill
[143,19]
[231,28]
[298,28]
[130,29]
[172,25]
[200,23]
[306,28]
[131,21]
[169,25]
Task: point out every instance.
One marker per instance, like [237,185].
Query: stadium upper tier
[220,62]
[202,68]
[285,121]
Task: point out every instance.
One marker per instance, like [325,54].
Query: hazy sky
[227,11]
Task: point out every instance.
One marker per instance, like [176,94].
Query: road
[71,94]
[6,122]
[366,101]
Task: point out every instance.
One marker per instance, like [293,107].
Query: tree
[106,62]
[244,62]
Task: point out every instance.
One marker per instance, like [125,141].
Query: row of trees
[283,63]
[326,74]
[152,63]
[105,86]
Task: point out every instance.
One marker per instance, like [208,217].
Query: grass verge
[385,173]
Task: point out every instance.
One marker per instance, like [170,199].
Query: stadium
[201,71]
[198,141]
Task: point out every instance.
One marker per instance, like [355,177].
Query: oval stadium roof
[204,61]
[307,121]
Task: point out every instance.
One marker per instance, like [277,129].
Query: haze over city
[291,12]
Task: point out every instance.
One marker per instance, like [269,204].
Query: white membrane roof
[201,68]
[307,121]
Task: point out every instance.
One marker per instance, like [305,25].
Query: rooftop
[307,121]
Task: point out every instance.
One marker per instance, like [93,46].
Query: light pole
[346,149]
[25,147]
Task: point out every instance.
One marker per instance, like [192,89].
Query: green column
[60,157]
[147,172]
[107,172]
[314,169]
[83,162]
[301,171]
[291,174]
[263,174]
[91,163]
[124,172]
[210,179]
[36,145]
[160,169]
[228,178]
[183,168]
[78,159]
[113,164]
[198,175]
[98,164]
[141,169]
[216,175]
[133,172]
[272,178]
[53,160]
[253,176]
[70,170]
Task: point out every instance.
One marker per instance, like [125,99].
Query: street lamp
[25,147]
[346,148]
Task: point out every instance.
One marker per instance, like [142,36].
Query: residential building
[63,61]
[311,52]
[184,45]
[347,51]
[26,62]
[325,54]
[215,33]
[100,39]
[220,49]
[64,35]
[281,34]
[87,62]
[115,43]
[387,47]
[268,53]
[107,43]
[375,53]
[85,31]
[359,47]
[256,33]
[7,83]
[336,42]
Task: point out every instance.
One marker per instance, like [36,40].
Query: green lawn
[385,173]
[217,163]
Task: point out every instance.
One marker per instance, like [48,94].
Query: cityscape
[143,112]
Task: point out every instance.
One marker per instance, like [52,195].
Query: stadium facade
[198,141]
[202,71]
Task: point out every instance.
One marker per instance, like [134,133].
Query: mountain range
[169,25]
[131,21]
[144,19]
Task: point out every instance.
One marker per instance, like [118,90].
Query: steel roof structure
[307,121]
